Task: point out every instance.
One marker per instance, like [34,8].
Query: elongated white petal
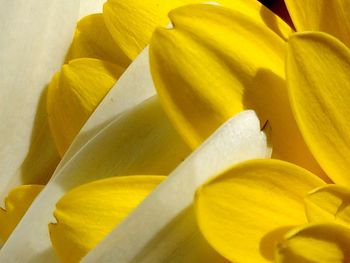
[88,7]
[137,238]
[35,36]
[133,87]
[139,141]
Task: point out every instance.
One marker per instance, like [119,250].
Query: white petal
[88,7]
[237,140]
[138,141]
[35,36]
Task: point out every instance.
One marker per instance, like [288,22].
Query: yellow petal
[139,141]
[73,95]
[315,15]
[136,79]
[172,234]
[318,76]
[16,204]
[328,203]
[38,35]
[132,22]
[217,62]
[86,214]
[93,40]
[247,209]
[322,243]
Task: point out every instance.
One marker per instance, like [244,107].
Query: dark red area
[279,8]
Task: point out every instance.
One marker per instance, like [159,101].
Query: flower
[285,185]
[202,80]
[162,148]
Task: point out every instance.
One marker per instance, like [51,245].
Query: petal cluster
[181,131]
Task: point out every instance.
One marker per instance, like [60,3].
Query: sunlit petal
[216,62]
[318,76]
[247,209]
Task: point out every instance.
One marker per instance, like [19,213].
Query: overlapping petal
[16,204]
[93,40]
[247,209]
[318,76]
[139,141]
[73,95]
[329,203]
[316,14]
[132,22]
[86,214]
[216,62]
[36,37]
[172,234]
[320,243]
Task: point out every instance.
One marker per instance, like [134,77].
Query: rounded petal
[86,214]
[132,22]
[247,209]
[172,233]
[329,203]
[73,95]
[139,141]
[216,62]
[318,77]
[321,243]
[315,15]
[93,40]
[16,204]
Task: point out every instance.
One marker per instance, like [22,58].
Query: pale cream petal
[170,206]
[35,38]
[139,141]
